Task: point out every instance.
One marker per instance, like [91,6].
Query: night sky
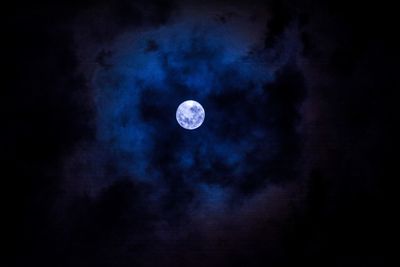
[291,166]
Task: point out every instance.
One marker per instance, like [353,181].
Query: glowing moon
[190,114]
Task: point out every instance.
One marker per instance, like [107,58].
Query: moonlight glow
[190,114]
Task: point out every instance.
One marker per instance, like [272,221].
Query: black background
[344,219]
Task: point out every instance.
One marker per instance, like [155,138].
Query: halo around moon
[190,114]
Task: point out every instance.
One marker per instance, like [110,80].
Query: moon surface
[190,114]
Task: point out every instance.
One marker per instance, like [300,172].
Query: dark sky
[291,166]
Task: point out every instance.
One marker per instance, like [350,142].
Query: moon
[190,114]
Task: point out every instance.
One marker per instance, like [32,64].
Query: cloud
[251,100]
[288,168]
[235,162]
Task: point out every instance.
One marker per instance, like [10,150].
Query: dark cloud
[289,167]
[247,143]
[281,14]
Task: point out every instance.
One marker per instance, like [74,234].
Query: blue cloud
[149,73]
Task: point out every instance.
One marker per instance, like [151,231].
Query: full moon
[190,114]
